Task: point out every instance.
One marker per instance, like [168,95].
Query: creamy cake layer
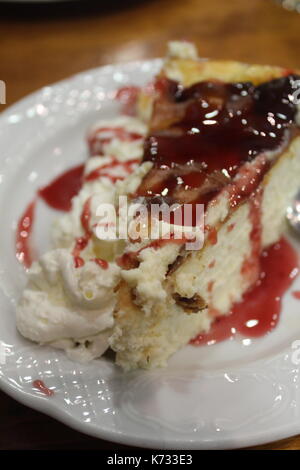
[147,337]
[152,318]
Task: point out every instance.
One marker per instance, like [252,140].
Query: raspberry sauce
[104,135]
[39,384]
[129,260]
[80,244]
[259,310]
[85,217]
[105,170]
[251,265]
[128,96]
[59,193]
[101,262]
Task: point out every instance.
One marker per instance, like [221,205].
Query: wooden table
[41,45]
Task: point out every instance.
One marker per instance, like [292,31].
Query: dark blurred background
[42,43]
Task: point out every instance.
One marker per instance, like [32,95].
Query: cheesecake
[223,134]
[219,135]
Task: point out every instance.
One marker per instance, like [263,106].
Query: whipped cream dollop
[72,307]
[68,307]
[113,137]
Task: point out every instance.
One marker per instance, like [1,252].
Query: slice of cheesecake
[225,135]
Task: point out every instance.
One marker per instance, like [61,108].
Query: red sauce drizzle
[210,286]
[103,170]
[101,262]
[203,135]
[104,135]
[127,96]
[251,266]
[212,234]
[259,311]
[130,260]
[59,193]
[80,244]
[250,176]
[85,217]
[288,72]
[23,236]
[39,384]
[296,294]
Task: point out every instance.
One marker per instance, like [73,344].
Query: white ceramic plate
[225,396]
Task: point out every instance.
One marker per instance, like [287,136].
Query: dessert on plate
[220,135]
